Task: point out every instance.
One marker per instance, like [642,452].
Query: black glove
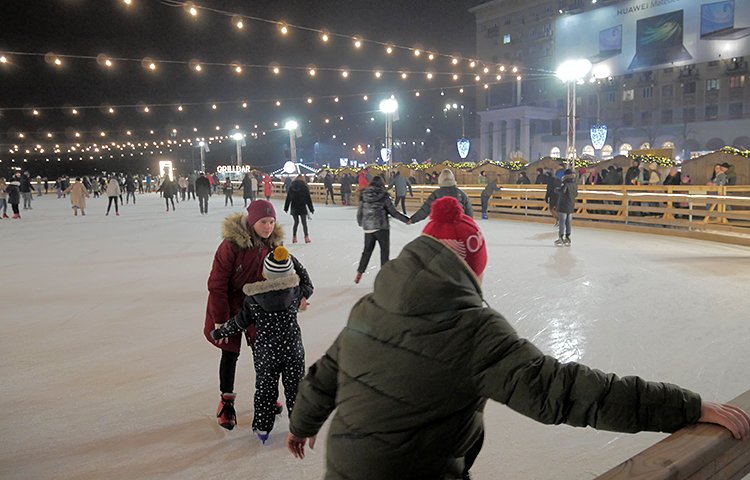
[226,330]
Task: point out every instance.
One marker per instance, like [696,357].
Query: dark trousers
[127,197]
[329,191]
[191,193]
[227,368]
[203,203]
[228,198]
[383,237]
[297,219]
[109,204]
[401,199]
[473,453]
[167,200]
[14,207]
[271,362]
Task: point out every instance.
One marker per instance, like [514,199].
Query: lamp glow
[291,125]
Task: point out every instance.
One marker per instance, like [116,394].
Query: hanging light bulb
[431,57]
[404,75]
[111,110]
[377,74]
[198,67]
[417,52]
[74,112]
[515,69]
[309,100]
[388,49]
[357,42]
[416,94]
[365,98]
[237,22]
[35,112]
[345,74]
[429,75]
[146,109]
[499,77]
[214,107]
[278,103]
[3,59]
[283,28]
[336,99]
[472,64]
[486,70]
[244,104]
[454,61]
[311,71]
[324,37]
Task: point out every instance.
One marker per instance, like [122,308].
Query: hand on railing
[728,416]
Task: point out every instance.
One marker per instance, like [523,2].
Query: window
[493,31]
[666,90]
[506,39]
[735,110]
[736,81]
[625,148]
[645,146]
[688,87]
[588,150]
[688,114]
[666,116]
[555,152]
[713,84]
[628,95]
[648,92]
[607,151]
[712,112]
[667,144]
[646,118]
[611,97]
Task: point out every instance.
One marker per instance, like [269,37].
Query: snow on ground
[106,373]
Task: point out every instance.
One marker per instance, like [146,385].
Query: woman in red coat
[267,187]
[247,239]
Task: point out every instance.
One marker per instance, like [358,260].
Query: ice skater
[247,239]
[168,189]
[271,305]
[3,198]
[566,204]
[203,190]
[14,197]
[113,194]
[78,196]
[410,374]
[228,192]
[299,201]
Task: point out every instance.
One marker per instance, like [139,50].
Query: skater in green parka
[409,375]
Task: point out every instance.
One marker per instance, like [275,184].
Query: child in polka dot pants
[272,306]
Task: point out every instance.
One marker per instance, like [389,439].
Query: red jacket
[237,261]
[362,180]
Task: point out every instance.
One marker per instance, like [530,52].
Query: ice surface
[106,373]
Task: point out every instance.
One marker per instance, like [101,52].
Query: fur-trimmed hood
[265,286]
[234,228]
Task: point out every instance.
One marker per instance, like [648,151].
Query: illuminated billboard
[642,35]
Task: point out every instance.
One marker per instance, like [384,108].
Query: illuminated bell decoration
[598,136]
[463,145]
[385,154]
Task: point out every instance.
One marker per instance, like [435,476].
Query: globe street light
[294,132]
[204,148]
[389,107]
[240,139]
[571,72]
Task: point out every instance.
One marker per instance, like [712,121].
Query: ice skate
[16,215]
[225,415]
[307,239]
[294,239]
[358,277]
[262,436]
[559,242]
[484,216]
[566,241]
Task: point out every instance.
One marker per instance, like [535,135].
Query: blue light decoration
[463,145]
[598,135]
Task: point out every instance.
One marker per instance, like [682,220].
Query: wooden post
[698,452]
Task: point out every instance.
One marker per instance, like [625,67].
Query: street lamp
[204,148]
[293,127]
[389,107]
[571,72]
[240,139]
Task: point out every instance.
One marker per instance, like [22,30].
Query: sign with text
[233,169]
[640,35]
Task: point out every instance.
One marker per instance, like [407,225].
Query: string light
[35,112]
[336,100]
[127,2]
[417,52]
[472,64]
[454,61]
[57,61]
[111,110]
[237,21]
[311,71]
[3,59]
[431,57]
[404,75]
[429,76]
[377,74]
[238,69]
[283,28]
[416,94]
[152,66]
[179,109]
[502,68]
[388,49]
[499,77]
[278,103]
[198,68]
[477,78]
[146,109]
[276,70]
[214,107]
[108,62]
[324,37]
[515,69]
[455,76]
[365,98]
[345,74]
[244,104]
[486,70]
[74,112]
[357,42]
[190,8]
[309,100]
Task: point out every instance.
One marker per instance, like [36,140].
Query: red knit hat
[457,231]
[259,209]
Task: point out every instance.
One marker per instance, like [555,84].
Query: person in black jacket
[14,196]
[551,196]
[673,178]
[203,190]
[566,204]
[631,176]
[372,215]
[447,183]
[328,183]
[27,190]
[168,189]
[346,189]
[299,200]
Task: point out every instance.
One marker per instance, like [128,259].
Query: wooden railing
[698,452]
[698,211]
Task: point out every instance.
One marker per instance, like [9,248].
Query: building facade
[685,87]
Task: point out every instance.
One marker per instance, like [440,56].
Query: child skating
[272,306]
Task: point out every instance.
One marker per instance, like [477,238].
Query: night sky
[153,28]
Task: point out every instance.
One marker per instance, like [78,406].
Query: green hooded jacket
[410,373]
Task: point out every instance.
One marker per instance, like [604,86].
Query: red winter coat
[267,186]
[362,180]
[238,260]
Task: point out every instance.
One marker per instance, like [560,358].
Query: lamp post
[293,127]
[204,148]
[389,107]
[240,139]
[571,72]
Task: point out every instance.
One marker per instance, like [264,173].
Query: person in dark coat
[247,238]
[346,189]
[523,179]
[27,190]
[328,184]
[228,191]
[541,177]
[375,206]
[129,189]
[271,305]
[487,193]
[448,188]
[551,195]
[14,196]
[673,178]
[566,205]
[203,191]
[401,187]
[631,176]
[408,378]
[168,189]
[299,200]
[248,191]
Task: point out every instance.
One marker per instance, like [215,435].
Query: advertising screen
[642,35]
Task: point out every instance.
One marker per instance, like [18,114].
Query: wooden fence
[697,211]
[698,452]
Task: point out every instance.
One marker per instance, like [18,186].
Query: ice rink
[106,373]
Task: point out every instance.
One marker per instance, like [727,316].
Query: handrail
[698,452]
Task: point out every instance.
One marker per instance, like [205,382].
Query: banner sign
[233,169]
[640,35]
